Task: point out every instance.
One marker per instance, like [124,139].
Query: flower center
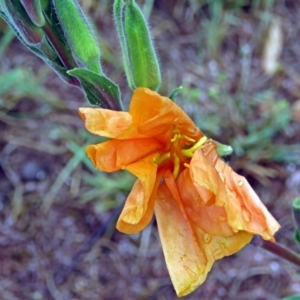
[181,150]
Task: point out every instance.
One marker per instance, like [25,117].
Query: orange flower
[204,210]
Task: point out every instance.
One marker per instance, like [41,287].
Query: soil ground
[57,214]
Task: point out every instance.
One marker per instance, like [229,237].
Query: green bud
[79,34]
[17,18]
[99,90]
[141,64]
[34,11]
[118,16]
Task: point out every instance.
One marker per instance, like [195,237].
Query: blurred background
[239,64]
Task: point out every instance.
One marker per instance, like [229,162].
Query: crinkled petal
[153,114]
[209,223]
[138,208]
[207,180]
[117,154]
[244,209]
[105,122]
[217,246]
[185,260]
[212,219]
[245,202]
[190,250]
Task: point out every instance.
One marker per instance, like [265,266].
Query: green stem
[278,250]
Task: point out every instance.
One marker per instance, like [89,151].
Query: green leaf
[98,89]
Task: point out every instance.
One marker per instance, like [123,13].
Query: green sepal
[17,18]
[34,11]
[99,90]
[79,34]
[175,93]
[223,150]
[144,66]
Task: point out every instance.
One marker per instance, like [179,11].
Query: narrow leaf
[98,89]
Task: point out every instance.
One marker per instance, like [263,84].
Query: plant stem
[278,250]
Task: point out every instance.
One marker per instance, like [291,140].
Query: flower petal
[209,223]
[105,122]
[189,250]
[212,219]
[245,202]
[185,260]
[153,114]
[217,246]
[244,209]
[117,154]
[138,208]
[207,180]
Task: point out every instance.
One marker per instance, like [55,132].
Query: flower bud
[16,16]
[141,64]
[34,11]
[79,34]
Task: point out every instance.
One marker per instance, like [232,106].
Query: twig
[278,250]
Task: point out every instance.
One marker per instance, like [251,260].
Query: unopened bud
[17,18]
[138,50]
[79,34]
[34,11]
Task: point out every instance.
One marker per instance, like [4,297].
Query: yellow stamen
[186,165]
[187,138]
[175,137]
[162,158]
[176,166]
[189,152]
